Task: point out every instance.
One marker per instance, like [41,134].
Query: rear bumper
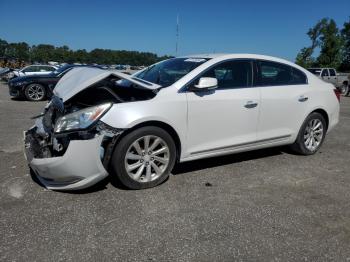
[80,166]
[333,120]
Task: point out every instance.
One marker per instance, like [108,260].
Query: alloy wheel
[147,158]
[344,90]
[36,92]
[313,134]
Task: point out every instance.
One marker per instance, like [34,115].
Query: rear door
[284,99]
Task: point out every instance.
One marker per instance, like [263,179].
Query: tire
[302,144]
[127,155]
[35,92]
[344,90]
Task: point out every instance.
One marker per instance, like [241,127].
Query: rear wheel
[311,135]
[35,92]
[344,90]
[144,158]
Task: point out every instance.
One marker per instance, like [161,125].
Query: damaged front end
[69,147]
[72,159]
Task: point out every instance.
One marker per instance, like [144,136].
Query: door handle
[303,98]
[251,104]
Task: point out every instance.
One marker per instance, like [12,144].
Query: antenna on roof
[177,34]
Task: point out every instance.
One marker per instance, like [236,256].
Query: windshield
[169,71]
[315,71]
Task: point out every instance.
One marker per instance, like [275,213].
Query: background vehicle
[4,72]
[33,70]
[330,75]
[37,87]
[136,127]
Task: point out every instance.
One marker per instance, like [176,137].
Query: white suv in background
[136,127]
[330,75]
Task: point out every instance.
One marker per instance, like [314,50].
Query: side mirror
[206,83]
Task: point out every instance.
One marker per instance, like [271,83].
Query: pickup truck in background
[330,75]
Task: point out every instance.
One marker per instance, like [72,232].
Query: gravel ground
[266,205]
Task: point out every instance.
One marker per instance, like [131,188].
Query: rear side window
[46,69]
[331,72]
[277,74]
[30,69]
[232,74]
[298,77]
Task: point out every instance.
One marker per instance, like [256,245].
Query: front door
[226,117]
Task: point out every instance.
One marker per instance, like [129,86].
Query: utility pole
[177,35]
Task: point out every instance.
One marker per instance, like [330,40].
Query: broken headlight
[81,119]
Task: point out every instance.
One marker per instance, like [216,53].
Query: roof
[224,56]
[233,55]
[213,55]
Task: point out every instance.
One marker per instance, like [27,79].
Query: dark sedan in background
[37,87]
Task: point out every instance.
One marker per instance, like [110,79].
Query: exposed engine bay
[110,89]
[45,143]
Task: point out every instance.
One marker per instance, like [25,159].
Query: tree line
[44,53]
[332,44]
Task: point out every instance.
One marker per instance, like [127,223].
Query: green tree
[42,53]
[18,50]
[326,37]
[3,47]
[81,56]
[61,54]
[304,57]
[330,45]
[345,32]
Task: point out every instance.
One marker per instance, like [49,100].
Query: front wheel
[144,158]
[35,92]
[311,135]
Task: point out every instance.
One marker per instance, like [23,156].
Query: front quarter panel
[168,106]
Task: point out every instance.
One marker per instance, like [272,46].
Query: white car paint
[219,122]
[204,123]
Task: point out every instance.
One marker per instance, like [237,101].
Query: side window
[276,74]
[44,68]
[298,77]
[332,72]
[325,72]
[232,74]
[30,69]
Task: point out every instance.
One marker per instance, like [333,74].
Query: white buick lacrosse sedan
[136,127]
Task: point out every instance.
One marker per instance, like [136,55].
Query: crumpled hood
[78,79]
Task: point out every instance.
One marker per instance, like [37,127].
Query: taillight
[337,94]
